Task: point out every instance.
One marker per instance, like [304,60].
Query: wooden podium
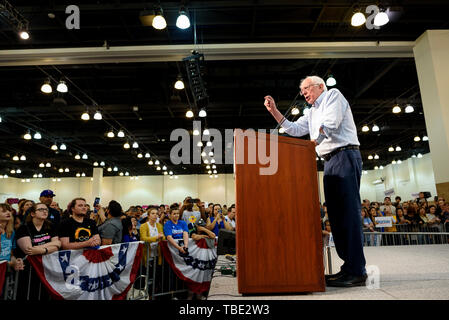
[278,232]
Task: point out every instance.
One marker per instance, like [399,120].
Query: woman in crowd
[24,205]
[7,238]
[152,233]
[389,238]
[130,232]
[216,221]
[37,236]
[368,226]
[377,238]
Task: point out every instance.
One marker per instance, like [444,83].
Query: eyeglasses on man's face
[42,209]
[302,92]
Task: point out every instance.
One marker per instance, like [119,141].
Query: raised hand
[270,104]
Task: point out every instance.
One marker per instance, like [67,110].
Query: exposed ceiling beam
[232,51]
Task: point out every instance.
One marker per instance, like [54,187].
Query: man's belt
[328,156]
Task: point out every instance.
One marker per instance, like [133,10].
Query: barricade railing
[153,281]
[405,235]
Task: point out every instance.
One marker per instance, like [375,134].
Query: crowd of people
[418,215]
[42,227]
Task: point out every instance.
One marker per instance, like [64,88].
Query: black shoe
[334,276]
[347,281]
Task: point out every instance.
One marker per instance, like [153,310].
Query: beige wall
[411,176]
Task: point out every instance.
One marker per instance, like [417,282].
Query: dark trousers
[342,175]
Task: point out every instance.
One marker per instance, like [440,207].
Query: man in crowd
[230,217]
[78,231]
[397,202]
[387,203]
[111,230]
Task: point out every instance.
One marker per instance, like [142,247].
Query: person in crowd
[78,231]
[387,203]
[368,226]
[445,217]
[189,215]
[130,232]
[397,202]
[37,236]
[54,215]
[98,215]
[373,213]
[400,216]
[439,207]
[217,221]
[161,211]
[366,203]
[421,199]
[111,230]
[410,215]
[152,233]
[326,232]
[176,231]
[389,238]
[7,238]
[209,210]
[201,232]
[230,217]
[434,221]
[24,205]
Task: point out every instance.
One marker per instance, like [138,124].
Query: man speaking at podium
[331,127]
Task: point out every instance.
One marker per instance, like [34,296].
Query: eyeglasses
[307,88]
[42,209]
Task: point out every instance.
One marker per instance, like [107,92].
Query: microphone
[288,110]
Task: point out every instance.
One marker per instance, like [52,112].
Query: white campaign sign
[384,221]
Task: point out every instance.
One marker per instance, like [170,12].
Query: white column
[432,63]
[97,184]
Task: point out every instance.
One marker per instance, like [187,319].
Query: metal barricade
[405,235]
[153,281]
[156,281]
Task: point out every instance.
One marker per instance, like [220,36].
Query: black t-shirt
[38,238]
[77,232]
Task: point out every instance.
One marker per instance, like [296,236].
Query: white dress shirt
[330,111]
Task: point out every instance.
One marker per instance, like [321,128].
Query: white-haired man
[331,126]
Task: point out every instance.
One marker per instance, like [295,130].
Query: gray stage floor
[406,272]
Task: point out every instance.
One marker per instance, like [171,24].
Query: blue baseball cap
[47,193]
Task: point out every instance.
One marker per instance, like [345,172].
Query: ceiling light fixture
[365,128]
[375,128]
[37,136]
[97,115]
[121,134]
[189,114]
[202,113]
[159,22]
[27,136]
[409,109]
[85,116]
[183,21]
[62,87]
[46,87]
[358,19]
[381,18]
[330,82]
[397,109]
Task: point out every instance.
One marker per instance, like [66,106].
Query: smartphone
[96,202]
